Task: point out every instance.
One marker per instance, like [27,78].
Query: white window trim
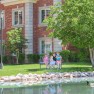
[4,20]
[40,9]
[14,10]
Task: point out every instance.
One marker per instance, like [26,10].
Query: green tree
[15,42]
[73,22]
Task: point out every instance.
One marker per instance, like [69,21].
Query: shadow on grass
[37,69]
[64,69]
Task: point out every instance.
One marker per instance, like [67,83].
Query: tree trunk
[91,50]
[17,57]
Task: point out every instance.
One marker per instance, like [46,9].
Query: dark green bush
[30,58]
[41,55]
[83,55]
[33,58]
[73,57]
[36,58]
[65,55]
[7,59]
[21,58]
[50,53]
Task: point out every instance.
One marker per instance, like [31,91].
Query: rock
[29,79]
[67,75]
[12,78]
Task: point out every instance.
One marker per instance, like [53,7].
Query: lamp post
[45,44]
[1,19]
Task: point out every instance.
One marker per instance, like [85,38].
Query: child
[54,57]
[52,62]
[58,60]
[46,60]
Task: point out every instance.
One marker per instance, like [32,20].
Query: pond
[60,88]
[50,83]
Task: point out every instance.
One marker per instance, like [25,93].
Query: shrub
[30,58]
[7,59]
[83,55]
[36,58]
[50,53]
[33,58]
[41,55]
[65,55]
[73,57]
[21,58]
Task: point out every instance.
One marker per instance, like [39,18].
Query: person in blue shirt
[58,60]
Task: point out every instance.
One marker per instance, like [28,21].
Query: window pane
[16,18]
[43,46]
[42,15]
[20,17]
[48,47]
[3,20]
[47,13]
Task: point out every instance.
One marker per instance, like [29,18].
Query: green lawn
[35,68]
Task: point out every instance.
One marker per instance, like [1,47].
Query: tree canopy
[15,41]
[73,22]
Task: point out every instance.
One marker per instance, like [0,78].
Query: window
[42,46]
[3,19]
[45,45]
[43,13]
[17,17]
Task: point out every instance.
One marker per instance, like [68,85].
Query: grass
[35,68]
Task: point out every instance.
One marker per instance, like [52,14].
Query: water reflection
[51,89]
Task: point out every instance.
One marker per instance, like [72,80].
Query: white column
[57,1]
[29,27]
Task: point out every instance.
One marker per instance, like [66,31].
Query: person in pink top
[46,60]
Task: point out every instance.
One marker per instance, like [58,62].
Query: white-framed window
[17,17]
[3,19]
[43,13]
[45,45]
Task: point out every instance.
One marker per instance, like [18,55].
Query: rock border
[30,79]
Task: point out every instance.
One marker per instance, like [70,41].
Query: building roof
[12,2]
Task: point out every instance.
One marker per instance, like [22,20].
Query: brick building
[29,14]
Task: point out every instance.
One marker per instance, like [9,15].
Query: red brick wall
[8,16]
[39,31]
[1,6]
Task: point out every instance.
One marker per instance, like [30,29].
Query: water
[64,88]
